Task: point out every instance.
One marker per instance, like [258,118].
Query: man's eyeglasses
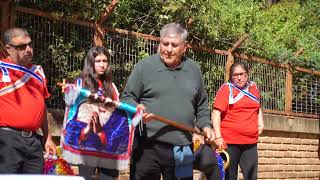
[239,74]
[21,46]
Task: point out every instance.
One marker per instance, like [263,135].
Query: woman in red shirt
[237,119]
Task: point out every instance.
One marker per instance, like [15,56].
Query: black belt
[23,133]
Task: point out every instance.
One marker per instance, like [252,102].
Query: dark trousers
[206,162]
[20,154]
[247,157]
[152,158]
[105,174]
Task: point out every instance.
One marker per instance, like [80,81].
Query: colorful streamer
[55,165]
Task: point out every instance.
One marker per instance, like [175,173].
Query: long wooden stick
[156,117]
[179,126]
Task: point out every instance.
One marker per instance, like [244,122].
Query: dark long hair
[234,65]
[90,77]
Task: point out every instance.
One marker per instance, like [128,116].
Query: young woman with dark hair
[97,70]
[86,135]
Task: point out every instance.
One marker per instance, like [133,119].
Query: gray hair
[174,28]
[14,32]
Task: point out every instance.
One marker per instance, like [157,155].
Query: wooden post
[238,43]
[230,59]
[288,92]
[99,33]
[12,19]
[104,15]
[297,53]
[289,84]
[5,23]
[5,7]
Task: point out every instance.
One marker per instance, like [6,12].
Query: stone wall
[287,149]
[288,155]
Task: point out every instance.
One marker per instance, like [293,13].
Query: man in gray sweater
[170,85]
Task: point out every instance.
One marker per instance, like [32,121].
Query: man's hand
[146,117]
[50,146]
[210,134]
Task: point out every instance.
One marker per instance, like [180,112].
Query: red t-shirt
[115,92]
[24,107]
[239,121]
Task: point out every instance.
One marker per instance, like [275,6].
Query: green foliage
[142,49]
[226,21]
[62,51]
[275,32]
[62,61]
[79,9]
[212,74]
[310,37]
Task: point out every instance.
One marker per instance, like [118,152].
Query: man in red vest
[23,91]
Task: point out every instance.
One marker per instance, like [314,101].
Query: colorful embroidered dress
[110,146]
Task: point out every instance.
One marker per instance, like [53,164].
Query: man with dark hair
[23,92]
[171,85]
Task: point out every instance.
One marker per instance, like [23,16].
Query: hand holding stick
[133,109]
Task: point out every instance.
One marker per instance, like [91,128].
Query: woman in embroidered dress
[88,130]
[237,119]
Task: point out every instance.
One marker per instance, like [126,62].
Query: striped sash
[242,93]
[29,73]
[16,67]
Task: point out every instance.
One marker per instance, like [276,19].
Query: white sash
[242,93]
[19,83]
[4,66]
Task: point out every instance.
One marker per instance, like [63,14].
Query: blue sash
[244,92]
[16,85]
[4,67]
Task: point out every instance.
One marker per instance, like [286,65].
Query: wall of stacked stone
[288,155]
[287,149]
[282,155]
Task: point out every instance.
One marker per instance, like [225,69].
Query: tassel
[56,165]
[5,75]
[71,94]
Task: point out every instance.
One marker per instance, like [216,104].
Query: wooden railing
[286,90]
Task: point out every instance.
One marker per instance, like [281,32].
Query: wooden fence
[60,45]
